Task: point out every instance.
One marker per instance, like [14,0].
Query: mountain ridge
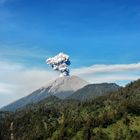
[92,91]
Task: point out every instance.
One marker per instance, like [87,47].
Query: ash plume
[60,63]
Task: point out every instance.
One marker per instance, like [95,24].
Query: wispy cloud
[6,89]
[119,73]
[24,78]
[16,80]
[107,68]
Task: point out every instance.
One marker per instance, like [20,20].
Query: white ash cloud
[60,63]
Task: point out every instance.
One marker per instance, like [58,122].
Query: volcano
[62,87]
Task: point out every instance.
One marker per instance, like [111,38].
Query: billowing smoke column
[60,63]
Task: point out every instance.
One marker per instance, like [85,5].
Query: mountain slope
[115,116]
[61,88]
[93,90]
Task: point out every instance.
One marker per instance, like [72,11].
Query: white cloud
[25,79]
[118,73]
[6,88]
[107,69]
[17,81]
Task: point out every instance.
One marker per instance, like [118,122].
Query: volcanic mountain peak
[66,83]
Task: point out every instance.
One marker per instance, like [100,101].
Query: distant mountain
[94,90]
[61,88]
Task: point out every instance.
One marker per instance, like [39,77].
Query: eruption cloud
[60,63]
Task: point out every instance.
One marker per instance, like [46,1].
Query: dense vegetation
[115,116]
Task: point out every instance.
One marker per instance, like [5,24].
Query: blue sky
[92,32]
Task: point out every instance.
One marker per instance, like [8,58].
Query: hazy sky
[102,38]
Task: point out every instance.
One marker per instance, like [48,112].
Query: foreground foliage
[115,116]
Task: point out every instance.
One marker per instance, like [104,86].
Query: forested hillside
[115,116]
